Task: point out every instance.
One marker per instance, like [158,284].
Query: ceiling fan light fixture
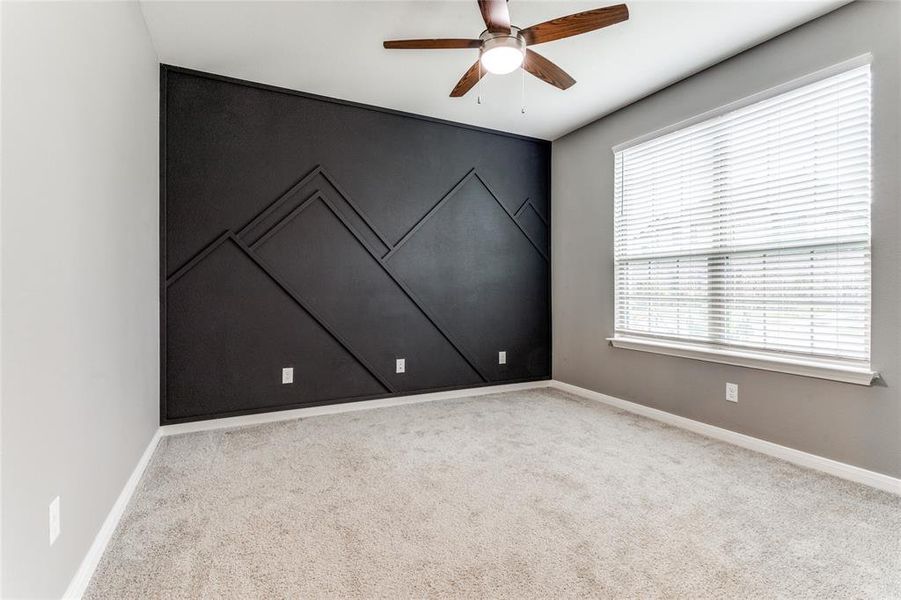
[503,54]
[502,46]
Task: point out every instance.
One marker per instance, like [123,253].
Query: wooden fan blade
[439,44]
[571,25]
[469,79]
[495,15]
[546,71]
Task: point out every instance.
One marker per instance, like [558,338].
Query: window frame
[797,364]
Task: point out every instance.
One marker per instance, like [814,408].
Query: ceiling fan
[503,48]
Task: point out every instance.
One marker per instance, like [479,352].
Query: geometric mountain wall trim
[469,236]
[317,181]
[465,278]
[408,329]
[210,375]
[533,224]
[286,208]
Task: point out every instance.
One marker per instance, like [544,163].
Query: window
[745,237]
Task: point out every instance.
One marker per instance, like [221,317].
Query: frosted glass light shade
[501,60]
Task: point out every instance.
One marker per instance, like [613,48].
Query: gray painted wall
[80,265]
[853,424]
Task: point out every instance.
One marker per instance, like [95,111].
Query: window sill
[807,367]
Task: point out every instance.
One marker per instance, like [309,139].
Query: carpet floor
[533,494]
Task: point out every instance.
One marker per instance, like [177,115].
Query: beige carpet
[533,494]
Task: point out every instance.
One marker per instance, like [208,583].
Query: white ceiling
[335,49]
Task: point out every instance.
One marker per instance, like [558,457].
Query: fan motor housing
[509,40]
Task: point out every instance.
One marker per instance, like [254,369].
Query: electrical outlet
[54,520]
[288,375]
[400,365]
[502,357]
[732,392]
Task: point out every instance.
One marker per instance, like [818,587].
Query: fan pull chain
[523,91]
[479,90]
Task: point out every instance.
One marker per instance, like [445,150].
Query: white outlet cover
[732,392]
[502,357]
[288,375]
[54,520]
[400,365]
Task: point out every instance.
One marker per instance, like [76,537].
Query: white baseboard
[804,459]
[330,409]
[85,571]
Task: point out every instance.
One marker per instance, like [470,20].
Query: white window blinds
[751,229]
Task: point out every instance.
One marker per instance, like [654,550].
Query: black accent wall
[335,238]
